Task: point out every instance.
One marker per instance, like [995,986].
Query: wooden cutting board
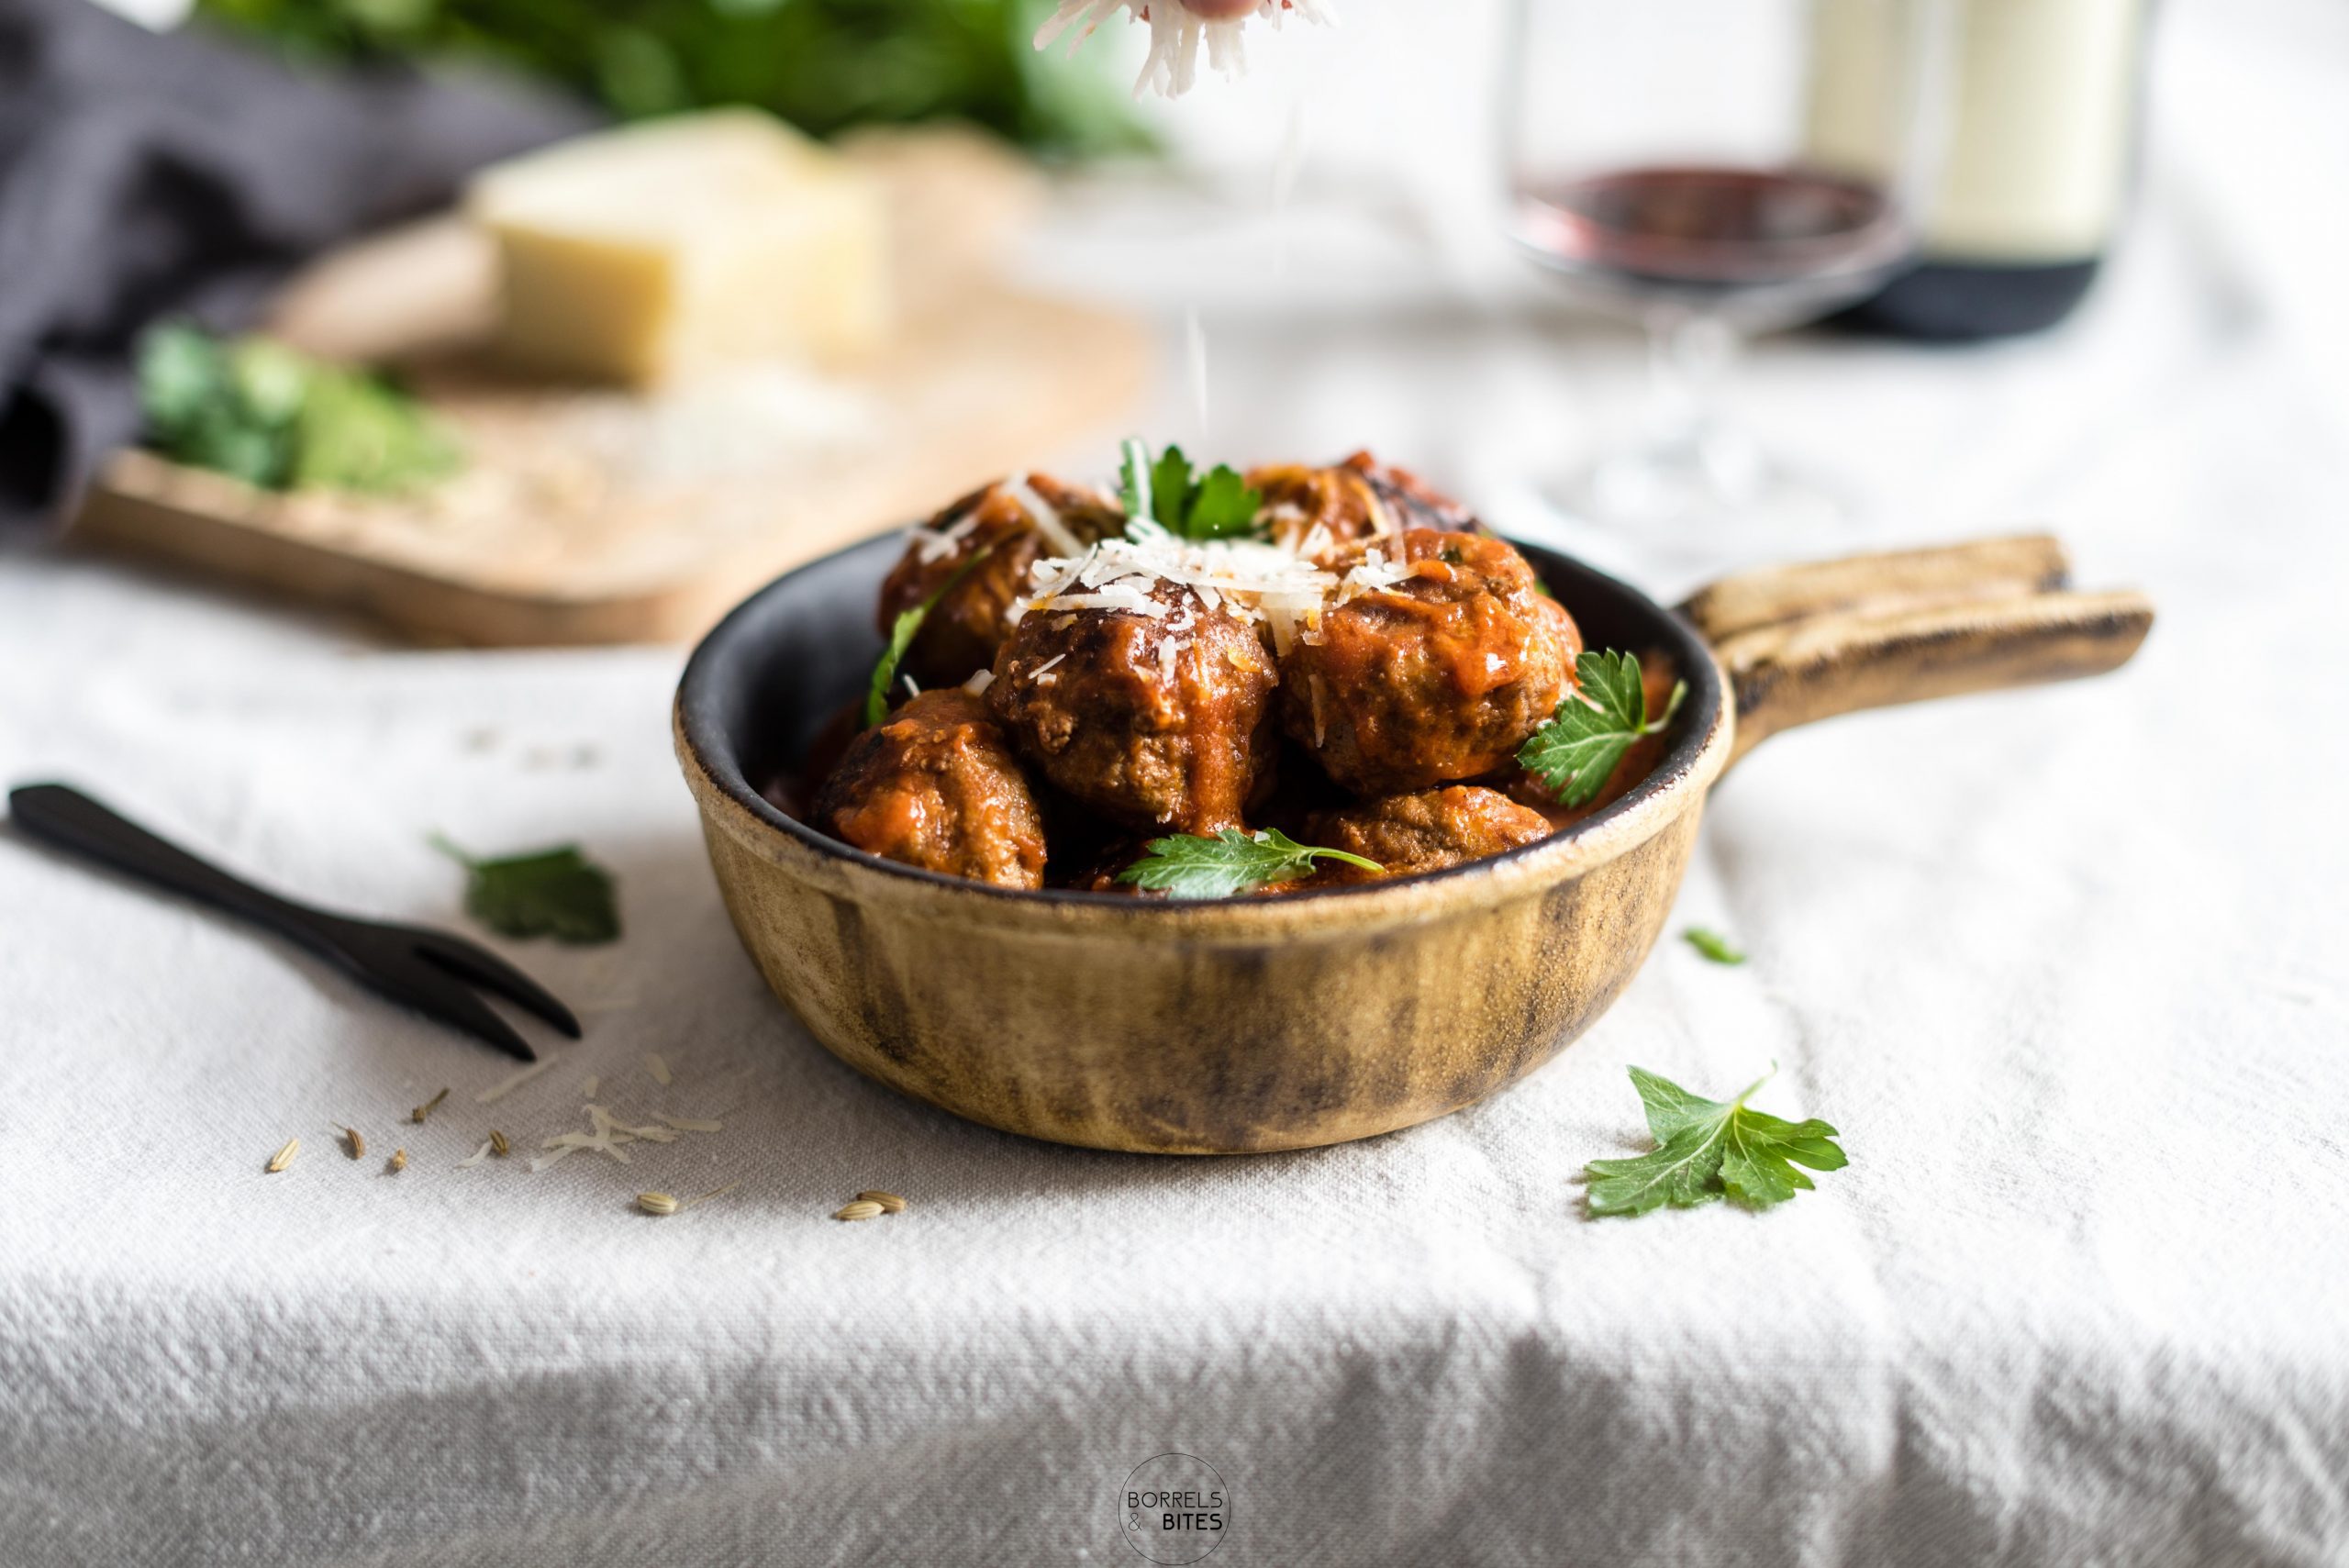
[590,515]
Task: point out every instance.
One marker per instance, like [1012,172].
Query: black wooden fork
[411,964]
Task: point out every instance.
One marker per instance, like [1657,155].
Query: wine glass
[1713,169]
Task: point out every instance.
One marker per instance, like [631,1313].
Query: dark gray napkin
[144,175]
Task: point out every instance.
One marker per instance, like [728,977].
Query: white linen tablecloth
[2065,966]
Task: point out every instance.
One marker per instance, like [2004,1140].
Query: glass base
[1710,497]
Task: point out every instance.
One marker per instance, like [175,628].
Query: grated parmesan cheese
[607,1135]
[657,1065]
[477,1156]
[1044,515]
[506,1086]
[1247,578]
[978,683]
[934,545]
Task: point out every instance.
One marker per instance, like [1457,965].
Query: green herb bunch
[264,414]
[1216,505]
[822,64]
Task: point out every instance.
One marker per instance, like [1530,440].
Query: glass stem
[1690,353]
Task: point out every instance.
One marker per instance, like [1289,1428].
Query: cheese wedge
[658,251]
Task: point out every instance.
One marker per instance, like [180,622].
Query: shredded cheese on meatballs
[1284,588]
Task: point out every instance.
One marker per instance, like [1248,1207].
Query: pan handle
[1802,643]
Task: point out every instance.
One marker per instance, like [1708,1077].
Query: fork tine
[439,995]
[493,974]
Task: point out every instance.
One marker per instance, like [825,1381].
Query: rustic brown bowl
[1236,1026]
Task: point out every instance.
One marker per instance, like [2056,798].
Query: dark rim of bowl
[720,755]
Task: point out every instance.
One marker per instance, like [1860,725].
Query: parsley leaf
[1708,1150]
[1712,944]
[1594,727]
[902,633]
[1219,506]
[557,893]
[1222,507]
[1189,866]
[1170,489]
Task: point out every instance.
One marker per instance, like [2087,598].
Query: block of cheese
[653,252]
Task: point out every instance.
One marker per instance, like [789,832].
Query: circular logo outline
[1132,1526]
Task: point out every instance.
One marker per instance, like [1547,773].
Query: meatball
[961,632]
[1154,720]
[937,786]
[1354,500]
[1427,831]
[1436,677]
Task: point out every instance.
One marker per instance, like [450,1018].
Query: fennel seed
[285,1157]
[427,1107]
[862,1208]
[890,1202]
[356,1142]
[498,1145]
[398,1161]
[657,1202]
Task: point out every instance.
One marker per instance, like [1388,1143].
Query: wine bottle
[2039,130]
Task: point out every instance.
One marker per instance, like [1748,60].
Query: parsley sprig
[557,893]
[1709,1149]
[1594,727]
[258,411]
[1219,504]
[1189,866]
[902,633]
[1713,945]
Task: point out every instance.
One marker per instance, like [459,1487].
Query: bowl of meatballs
[1224,812]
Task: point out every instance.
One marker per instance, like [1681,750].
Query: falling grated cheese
[1175,34]
[504,1087]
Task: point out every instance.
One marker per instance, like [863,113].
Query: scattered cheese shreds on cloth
[504,1087]
[657,1065]
[477,1156]
[1171,67]
[606,1134]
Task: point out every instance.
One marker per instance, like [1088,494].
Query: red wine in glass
[1731,240]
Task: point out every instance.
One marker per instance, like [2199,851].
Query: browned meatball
[1427,831]
[1356,499]
[1440,676]
[1154,721]
[937,786]
[960,636]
